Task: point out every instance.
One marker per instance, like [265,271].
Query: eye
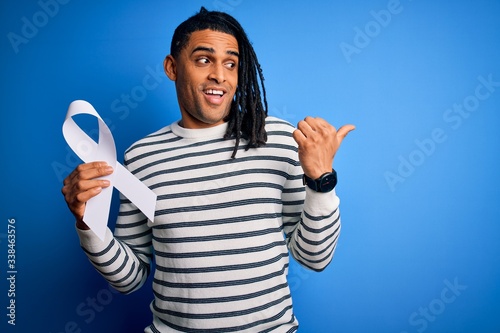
[203,60]
[230,64]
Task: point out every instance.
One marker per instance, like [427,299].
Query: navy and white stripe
[222,233]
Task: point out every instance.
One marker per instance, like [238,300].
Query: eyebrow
[211,50]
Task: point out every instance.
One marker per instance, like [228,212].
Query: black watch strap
[323,184]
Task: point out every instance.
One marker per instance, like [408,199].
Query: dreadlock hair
[246,119]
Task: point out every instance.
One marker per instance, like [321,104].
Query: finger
[89,166]
[344,130]
[89,171]
[85,185]
[83,197]
[319,125]
[317,122]
[298,136]
[94,173]
[77,204]
[78,194]
[305,126]
[73,189]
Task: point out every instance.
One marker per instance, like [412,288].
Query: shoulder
[279,129]
[150,142]
[280,134]
[277,124]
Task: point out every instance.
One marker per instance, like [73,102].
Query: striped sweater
[222,233]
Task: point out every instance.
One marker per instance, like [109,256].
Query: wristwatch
[323,184]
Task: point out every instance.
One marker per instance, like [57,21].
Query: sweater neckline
[199,133]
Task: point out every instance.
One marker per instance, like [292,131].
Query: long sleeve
[311,228]
[221,257]
[123,259]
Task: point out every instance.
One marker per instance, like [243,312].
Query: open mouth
[214,92]
[214,96]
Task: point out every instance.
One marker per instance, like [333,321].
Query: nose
[217,73]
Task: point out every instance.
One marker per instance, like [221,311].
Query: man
[227,215]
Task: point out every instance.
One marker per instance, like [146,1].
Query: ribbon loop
[97,209]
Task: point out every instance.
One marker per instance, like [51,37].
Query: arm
[312,241]
[122,259]
[311,222]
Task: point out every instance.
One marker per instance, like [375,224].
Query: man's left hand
[318,143]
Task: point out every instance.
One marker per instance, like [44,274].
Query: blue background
[419,181]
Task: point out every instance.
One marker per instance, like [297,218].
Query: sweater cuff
[92,243]
[320,204]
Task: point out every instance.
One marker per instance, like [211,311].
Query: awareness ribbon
[97,208]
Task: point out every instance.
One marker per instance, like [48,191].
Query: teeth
[214,92]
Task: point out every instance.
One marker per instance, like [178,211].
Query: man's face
[206,78]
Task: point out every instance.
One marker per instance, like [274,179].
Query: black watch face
[328,182]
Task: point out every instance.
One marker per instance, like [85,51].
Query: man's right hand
[82,184]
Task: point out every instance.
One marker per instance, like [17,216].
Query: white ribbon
[97,209]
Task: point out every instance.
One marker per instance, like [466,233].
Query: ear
[170,67]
